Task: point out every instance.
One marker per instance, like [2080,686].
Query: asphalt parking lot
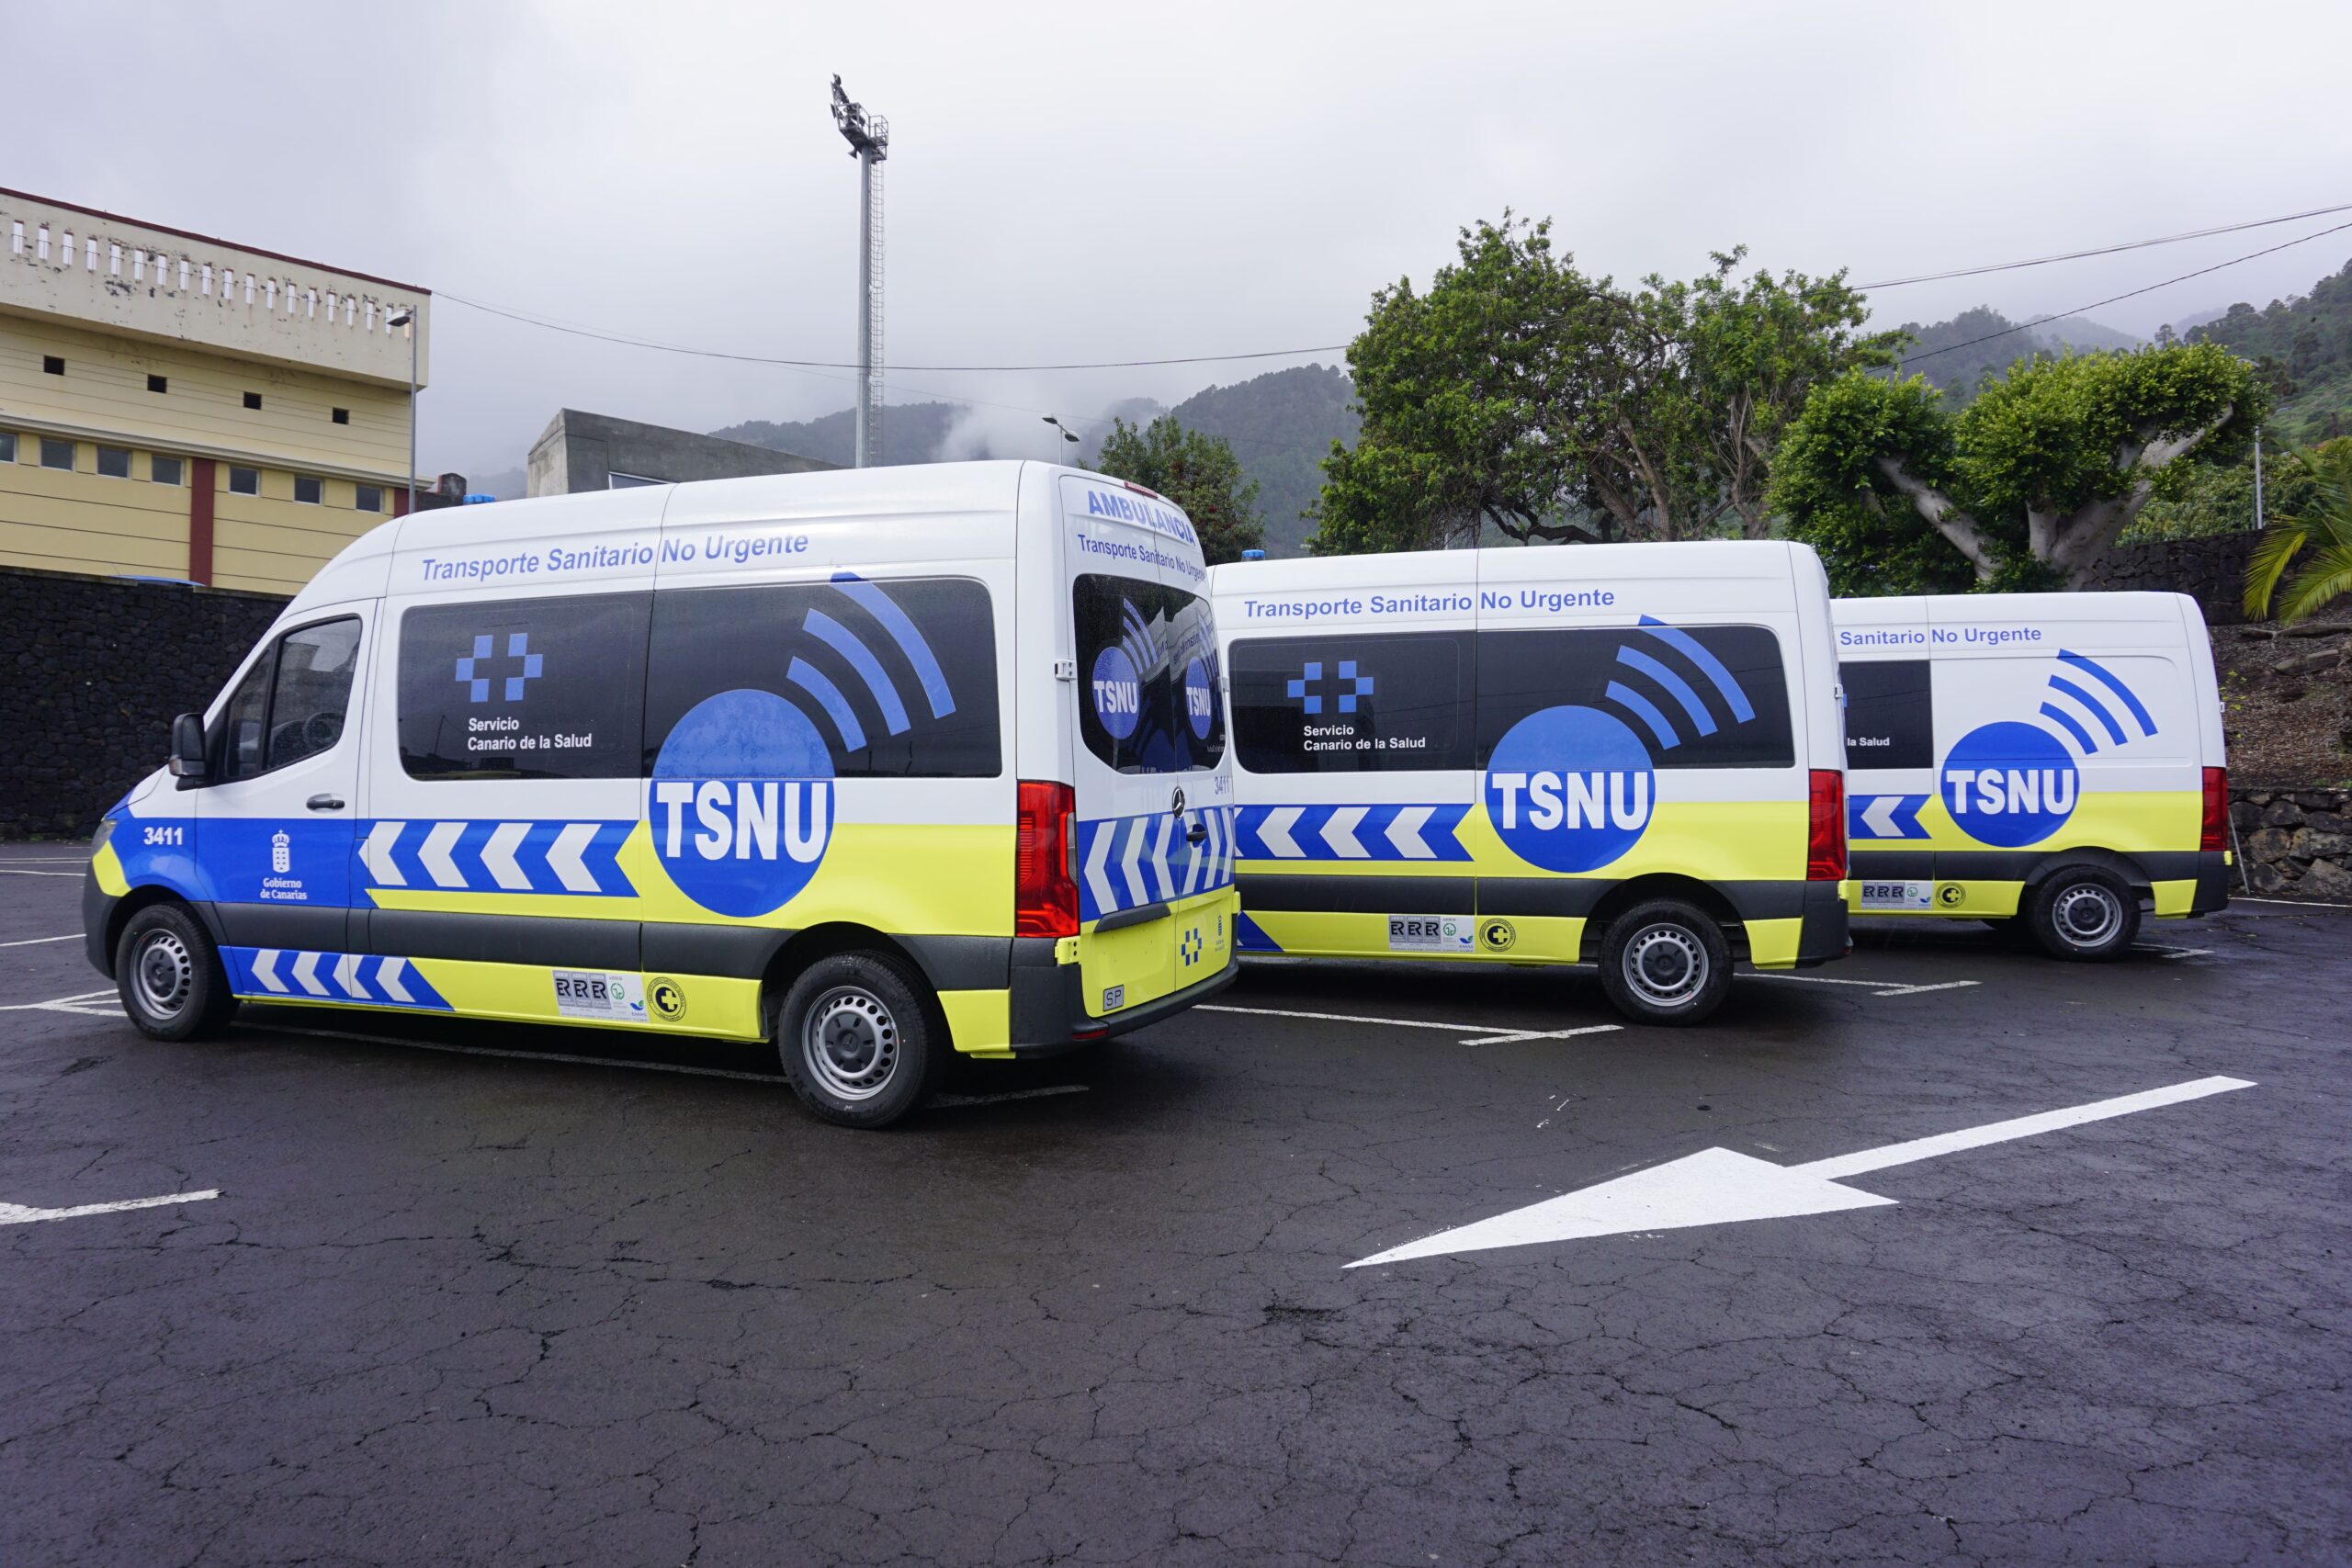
[510,1308]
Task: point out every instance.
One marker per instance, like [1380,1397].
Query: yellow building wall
[85,521]
[202,413]
[272,543]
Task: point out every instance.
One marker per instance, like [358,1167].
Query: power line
[2097,304]
[2104,250]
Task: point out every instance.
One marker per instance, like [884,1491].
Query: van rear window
[1696,696]
[1147,676]
[1890,713]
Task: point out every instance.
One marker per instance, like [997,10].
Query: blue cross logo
[518,647]
[1190,948]
[1311,674]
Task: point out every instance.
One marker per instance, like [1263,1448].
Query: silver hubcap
[2086,914]
[851,1042]
[1666,965]
[163,973]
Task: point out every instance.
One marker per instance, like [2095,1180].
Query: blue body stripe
[2113,684]
[885,609]
[811,680]
[1683,642]
[1672,683]
[844,641]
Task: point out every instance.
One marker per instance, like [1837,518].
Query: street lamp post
[406,317]
[1068,434]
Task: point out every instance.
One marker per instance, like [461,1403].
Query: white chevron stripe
[1405,832]
[306,973]
[1168,824]
[1220,846]
[1132,861]
[1275,831]
[1098,857]
[265,970]
[346,975]
[565,858]
[387,975]
[1340,832]
[435,855]
[376,854]
[1879,817]
[499,856]
[1196,853]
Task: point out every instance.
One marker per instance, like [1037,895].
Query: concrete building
[594,451]
[173,405]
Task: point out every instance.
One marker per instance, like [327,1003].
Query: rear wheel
[1666,961]
[857,1039]
[168,973]
[2084,915]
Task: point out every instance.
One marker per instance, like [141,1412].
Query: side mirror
[187,748]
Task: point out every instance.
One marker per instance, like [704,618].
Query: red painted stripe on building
[199,520]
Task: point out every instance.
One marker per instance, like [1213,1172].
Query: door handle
[325,803]
[1198,833]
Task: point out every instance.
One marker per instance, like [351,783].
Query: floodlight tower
[869,143]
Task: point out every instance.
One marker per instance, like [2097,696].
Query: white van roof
[1761,559]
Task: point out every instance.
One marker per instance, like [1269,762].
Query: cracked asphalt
[502,1309]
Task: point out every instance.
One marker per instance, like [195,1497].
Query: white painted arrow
[435,855]
[376,854]
[1168,824]
[1340,832]
[499,856]
[1097,861]
[346,975]
[18,1214]
[266,969]
[567,858]
[1405,832]
[1132,861]
[387,975]
[306,973]
[1717,1186]
[1879,815]
[1275,830]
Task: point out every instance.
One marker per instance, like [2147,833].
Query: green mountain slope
[2309,337]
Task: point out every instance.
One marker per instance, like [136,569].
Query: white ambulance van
[873,765]
[2048,759]
[1624,755]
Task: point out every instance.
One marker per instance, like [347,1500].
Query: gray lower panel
[298,926]
[1361,895]
[548,940]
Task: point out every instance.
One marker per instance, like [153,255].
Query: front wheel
[169,975]
[2084,915]
[1665,962]
[857,1040]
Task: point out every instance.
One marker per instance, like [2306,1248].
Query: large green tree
[2027,485]
[1519,394]
[1197,471]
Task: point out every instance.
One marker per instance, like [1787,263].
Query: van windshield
[1148,676]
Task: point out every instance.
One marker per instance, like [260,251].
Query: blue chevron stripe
[1106,890]
[375,981]
[599,857]
[1304,825]
[1903,817]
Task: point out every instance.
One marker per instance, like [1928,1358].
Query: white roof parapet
[119,274]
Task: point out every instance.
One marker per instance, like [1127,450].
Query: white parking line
[16,870]
[1476,1034]
[35,941]
[2290,903]
[18,1214]
[2172,952]
[1876,988]
[93,1004]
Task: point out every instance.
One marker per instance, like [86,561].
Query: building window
[244,481]
[253,399]
[114,462]
[55,454]
[53,363]
[7,446]
[310,489]
[165,470]
[368,498]
[343,416]
[158,384]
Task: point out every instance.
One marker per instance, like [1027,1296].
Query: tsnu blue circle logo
[1569,788]
[1118,691]
[2008,784]
[1200,699]
[742,801]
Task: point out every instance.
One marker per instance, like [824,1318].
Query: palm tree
[2326,525]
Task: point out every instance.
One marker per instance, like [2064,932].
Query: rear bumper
[1049,1006]
[1825,934]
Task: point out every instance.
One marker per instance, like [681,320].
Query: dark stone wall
[92,672]
[2210,570]
[2296,843]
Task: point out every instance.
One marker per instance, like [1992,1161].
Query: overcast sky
[1081,183]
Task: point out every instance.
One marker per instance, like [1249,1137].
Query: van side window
[891,679]
[292,703]
[1361,703]
[1696,698]
[1147,676]
[1890,713]
[524,688]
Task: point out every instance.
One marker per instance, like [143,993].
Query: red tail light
[2214,833]
[1044,896]
[1825,844]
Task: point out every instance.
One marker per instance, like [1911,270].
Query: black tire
[1666,961]
[856,1037]
[169,975]
[2084,915]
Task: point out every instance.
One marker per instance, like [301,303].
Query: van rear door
[1153,789]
